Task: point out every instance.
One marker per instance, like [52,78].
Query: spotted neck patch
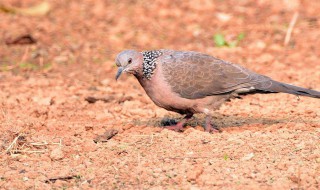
[149,62]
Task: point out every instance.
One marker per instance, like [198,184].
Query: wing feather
[194,75]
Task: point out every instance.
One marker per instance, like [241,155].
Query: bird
[189,82]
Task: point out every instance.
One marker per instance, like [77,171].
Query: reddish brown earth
[48,127]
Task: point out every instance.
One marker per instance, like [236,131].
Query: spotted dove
[189,82]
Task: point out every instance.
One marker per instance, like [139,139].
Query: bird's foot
[212,128]
[178,127]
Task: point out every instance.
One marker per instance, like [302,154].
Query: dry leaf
[21,40]
[37,10]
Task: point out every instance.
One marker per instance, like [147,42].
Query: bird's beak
[119,72]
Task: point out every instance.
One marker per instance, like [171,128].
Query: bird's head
[129,61]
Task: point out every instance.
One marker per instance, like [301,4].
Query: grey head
[129,61]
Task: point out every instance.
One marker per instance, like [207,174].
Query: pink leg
[209,127]
[179,126]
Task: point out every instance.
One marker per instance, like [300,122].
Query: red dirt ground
[48,128]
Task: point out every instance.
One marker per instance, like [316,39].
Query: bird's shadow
[224,121]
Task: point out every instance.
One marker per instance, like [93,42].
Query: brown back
[194,75]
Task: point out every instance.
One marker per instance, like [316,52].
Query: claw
[212,129]
[178,127]
[209,127]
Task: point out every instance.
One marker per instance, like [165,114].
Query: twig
[290,29]
[187,157]
[29,151]
[39,143]
[54,179]
[151,140]
[14,147]
[3,113]
[60,143]
[115,168]
[13,143]
[139,171]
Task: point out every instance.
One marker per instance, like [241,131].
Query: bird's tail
[290,89]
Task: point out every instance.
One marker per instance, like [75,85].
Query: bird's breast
[161,93]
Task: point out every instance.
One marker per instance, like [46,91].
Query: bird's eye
[129,61]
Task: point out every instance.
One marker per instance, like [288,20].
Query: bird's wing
[194,75]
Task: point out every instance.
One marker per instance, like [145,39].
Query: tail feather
[290,89]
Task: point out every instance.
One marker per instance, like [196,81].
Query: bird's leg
[209,127]
[179,125]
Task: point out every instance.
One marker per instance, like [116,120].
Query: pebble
[248,157]
[193,174]
[57,154]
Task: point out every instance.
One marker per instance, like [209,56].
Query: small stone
[106,136]
[266,58]
[61,59]
[117,109]
[105,82]
[248,157]
[275,47]
[194,188]
[57,154]
[260,44]
[224,17]
[194,173]
[89,146]
[282,166]
[294,179]
[290,5]
[43,101]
